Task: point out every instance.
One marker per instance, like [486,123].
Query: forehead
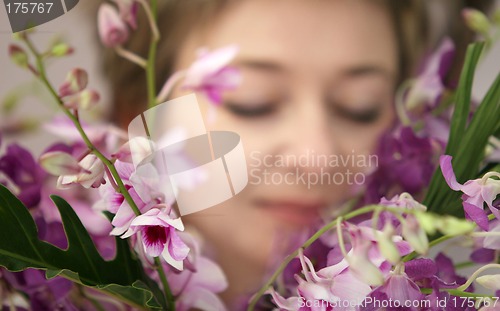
[312,35]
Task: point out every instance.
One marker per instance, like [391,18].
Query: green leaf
[20,249]
[463,98]
[466,144]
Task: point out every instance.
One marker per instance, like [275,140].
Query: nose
[310,139]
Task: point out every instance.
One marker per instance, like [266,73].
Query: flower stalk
[164,282]
[134,58]
[43,76]
[476,274]
[151,12]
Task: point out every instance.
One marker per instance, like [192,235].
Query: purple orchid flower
[398,289]
[405,165]
[429,86]
[437,274]
[22,173]
[43,294]
[475,192]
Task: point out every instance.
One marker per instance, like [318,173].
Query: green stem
[150,66]
[464,264]
[476,274]
[456,292]
[312,239]
[43,76]
[340,236]
[166,287]
[432,243]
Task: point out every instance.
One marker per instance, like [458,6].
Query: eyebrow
[349,72]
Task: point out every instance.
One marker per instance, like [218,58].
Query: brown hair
[177,18]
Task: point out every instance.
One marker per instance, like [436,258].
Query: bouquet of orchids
[125,247]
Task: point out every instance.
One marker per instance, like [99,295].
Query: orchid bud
[386,244]
[85,100]
[450,225]
[414,234]
[19,35]
[92,177]
[61,49]
[476,20]
[18,56]
[60,163]
[427,221]
[76,81]
[112,29]
[9,102]
[489,281]
[496,17]
[128,11]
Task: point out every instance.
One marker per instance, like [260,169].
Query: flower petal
[176,247]
[476,214]
[154,239]
[60,163]
[177,264]
[448,173]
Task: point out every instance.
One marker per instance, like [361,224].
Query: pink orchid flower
[125,214]
[111,200]
[112,29]
[211,73]
[330,285]
[92,176]
[360,263]
[60,163]
[405,201]
[476,192]
[366,252]
[159,236]
[197,286]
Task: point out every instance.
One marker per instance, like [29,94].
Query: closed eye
[365,116]
[250,111]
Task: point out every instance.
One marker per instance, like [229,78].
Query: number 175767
[29,7]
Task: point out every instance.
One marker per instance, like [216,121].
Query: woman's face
[317,90]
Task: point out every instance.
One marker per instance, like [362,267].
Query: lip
[293,212]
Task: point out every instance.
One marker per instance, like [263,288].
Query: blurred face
[317,89]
